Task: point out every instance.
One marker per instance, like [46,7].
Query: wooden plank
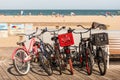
[1,77]
[4,67]
[12,72]
[113,51]
[31,76]
[4,75]
[112,75]
[36,71]
[79,74]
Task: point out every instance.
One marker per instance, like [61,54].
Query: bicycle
[96,44]
[85,56]
[66,40]
[22,56]
[55,50]
[74,55]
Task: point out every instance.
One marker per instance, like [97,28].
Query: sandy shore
[112,22]
[40,21]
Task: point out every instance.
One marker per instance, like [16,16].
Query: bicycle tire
[59,61]
[80,56]
[103,61]
[58,58]
[92,52]
[45,62]
[89,66]
[16,66]
[71,66]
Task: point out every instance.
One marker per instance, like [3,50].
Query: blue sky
[59,4]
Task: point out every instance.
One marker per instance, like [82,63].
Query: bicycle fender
[13,54]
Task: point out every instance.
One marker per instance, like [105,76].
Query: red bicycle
[61,59]
[66,40]
[22,56]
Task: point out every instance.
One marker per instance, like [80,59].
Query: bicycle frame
[31,46]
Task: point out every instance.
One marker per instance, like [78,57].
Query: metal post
[108,56]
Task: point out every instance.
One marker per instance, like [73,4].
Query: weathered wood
[10,70]
[113,51]
[114,46]
[79,74]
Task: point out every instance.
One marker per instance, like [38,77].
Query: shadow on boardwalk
[7,72]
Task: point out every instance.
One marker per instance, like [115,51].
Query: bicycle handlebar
[57,29]
[93,27]
[70,30]
[82,27]
[42,31]
[30,33]
[89,29]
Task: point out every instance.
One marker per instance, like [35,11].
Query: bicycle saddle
[21,43]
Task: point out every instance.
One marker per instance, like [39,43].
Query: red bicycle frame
[31,46]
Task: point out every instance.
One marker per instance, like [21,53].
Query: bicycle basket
[66,39]
[100,39]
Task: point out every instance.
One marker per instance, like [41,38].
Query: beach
[41,21]
[52,21]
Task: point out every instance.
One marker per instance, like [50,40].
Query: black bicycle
[55,50]
[96,44]
[85,56]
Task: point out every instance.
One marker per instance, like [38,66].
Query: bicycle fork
[68,57]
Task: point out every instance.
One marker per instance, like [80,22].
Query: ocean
[62,12]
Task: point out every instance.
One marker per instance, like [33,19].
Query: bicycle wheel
[71,66]
[45,59]
[89,66]
[59,61]
[102,62]
[49,50]
[92,52]
[80,57]
[21,66]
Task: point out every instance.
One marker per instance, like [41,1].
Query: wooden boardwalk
[7,72]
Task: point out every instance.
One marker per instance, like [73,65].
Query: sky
[59,4]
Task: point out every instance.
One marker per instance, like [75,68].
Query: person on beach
[21,12]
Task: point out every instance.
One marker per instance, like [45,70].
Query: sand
[112,22]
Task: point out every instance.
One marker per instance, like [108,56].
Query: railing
[114,43]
